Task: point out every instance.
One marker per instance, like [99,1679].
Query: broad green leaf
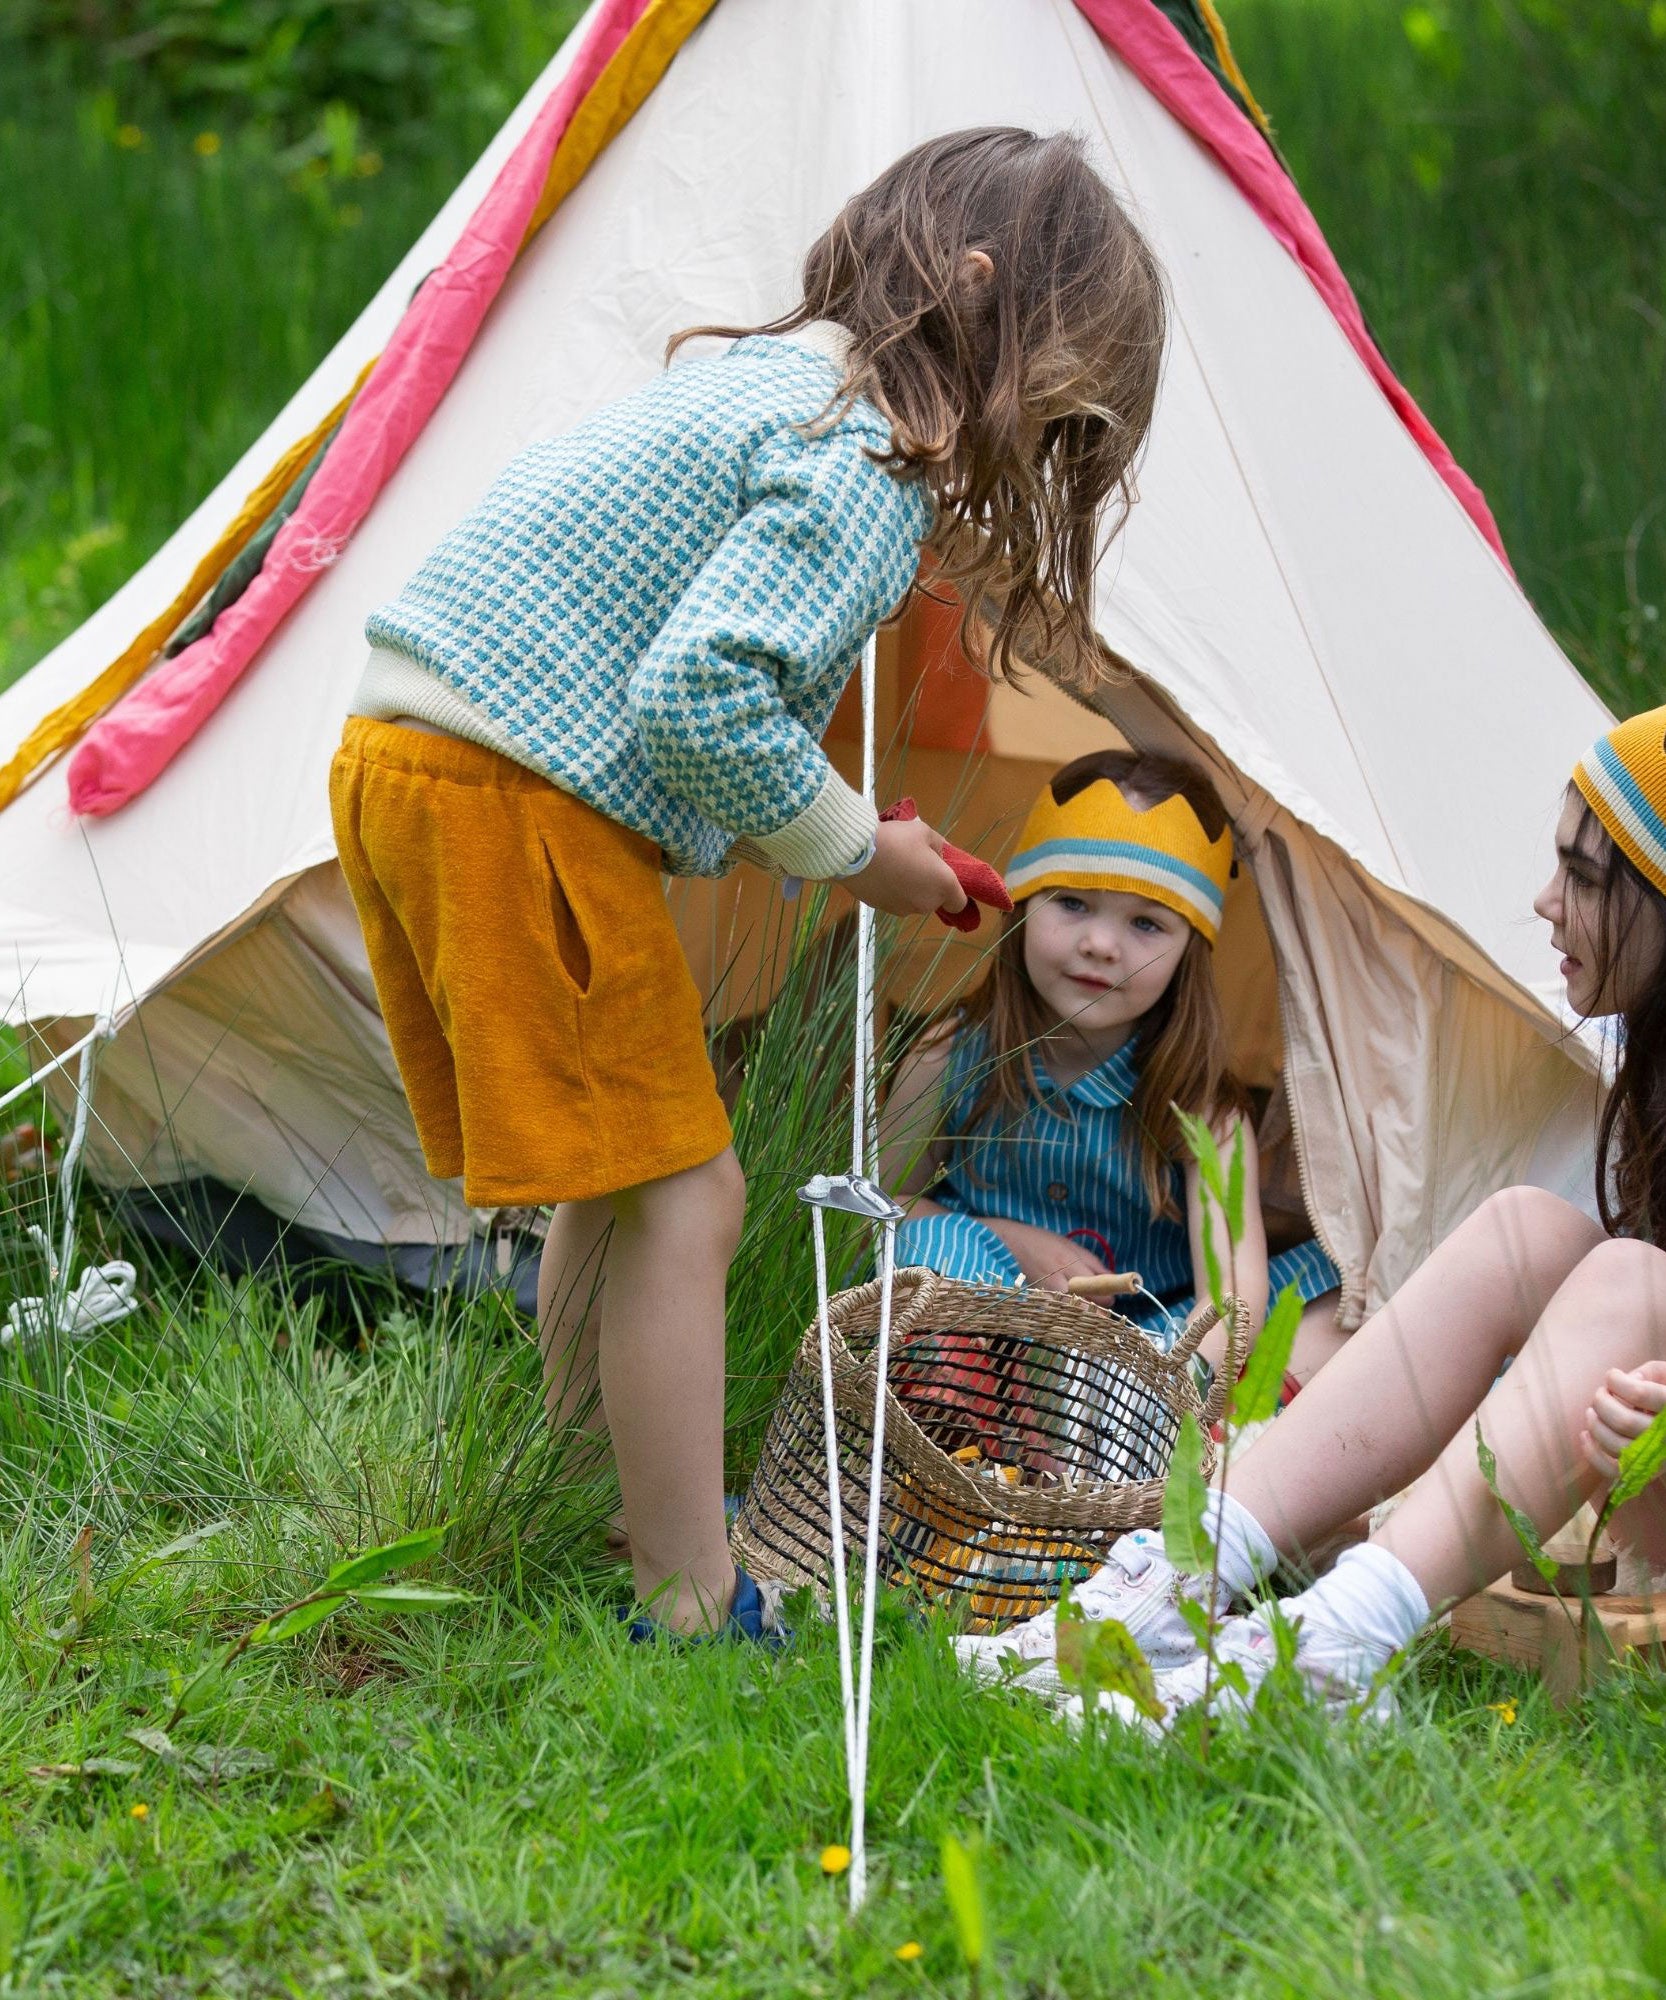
[289,1624]
[1198,1622]
[1641,1463]
[414,1596]
[1255,1394]
[1212,1269]
[1525,1532]
[1114,1662]
[157,1741]
[1200,1143]
[1235,1187]
[371,1565]
[965,1898]
[1185,1543]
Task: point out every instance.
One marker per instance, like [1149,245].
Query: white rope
[870,1582]
[97,1032]
[104,1294]
[835,1504]
[857,1193]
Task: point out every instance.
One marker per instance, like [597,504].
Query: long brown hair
[1631,1132]
[1023,400]
[1179,1046]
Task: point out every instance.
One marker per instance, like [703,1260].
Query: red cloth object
[981,882]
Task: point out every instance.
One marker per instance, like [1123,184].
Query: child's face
[1571,902]
[1101,958]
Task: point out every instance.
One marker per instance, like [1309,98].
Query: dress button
[1057,1191]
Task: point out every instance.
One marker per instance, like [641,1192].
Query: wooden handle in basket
[1105,1285]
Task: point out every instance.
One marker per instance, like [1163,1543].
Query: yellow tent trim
[634,69]
[637,65]
[1229,62]
[68,722]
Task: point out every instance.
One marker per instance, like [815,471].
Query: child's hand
[908,875]
[1046,1259]
[1622,1409]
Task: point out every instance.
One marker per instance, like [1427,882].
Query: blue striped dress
[1065,1164]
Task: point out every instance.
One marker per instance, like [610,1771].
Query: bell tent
[1309,600]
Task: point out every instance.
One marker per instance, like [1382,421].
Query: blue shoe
[754,1615]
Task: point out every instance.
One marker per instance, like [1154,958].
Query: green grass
[504,1799]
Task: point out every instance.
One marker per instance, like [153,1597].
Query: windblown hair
[1022,400]
[1180,1045]
[1631,1132]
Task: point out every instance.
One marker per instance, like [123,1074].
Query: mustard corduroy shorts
[545,1022]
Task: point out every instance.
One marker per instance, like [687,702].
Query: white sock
[1247,1552]
[1370,1596]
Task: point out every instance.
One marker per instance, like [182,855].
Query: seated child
[1531,1324]
[1046,1099]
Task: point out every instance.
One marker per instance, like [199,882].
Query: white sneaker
[1137,1585]
[1342,1671]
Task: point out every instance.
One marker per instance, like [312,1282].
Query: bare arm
[911,1152]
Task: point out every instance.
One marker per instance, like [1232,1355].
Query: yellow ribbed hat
[1623,779]
[1097,840]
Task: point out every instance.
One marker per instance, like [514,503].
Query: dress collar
[1107,1084]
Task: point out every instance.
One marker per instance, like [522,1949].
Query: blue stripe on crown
[1650,823]
[1073,853]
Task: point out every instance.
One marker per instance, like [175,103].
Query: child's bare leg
[1413,1376]
[662,1376]
[1450,1532]
[570,1273]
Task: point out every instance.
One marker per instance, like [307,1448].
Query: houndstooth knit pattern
[662,606]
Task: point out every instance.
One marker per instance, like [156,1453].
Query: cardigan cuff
[834,835]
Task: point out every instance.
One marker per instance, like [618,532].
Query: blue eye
[1074,904]
[1150,924]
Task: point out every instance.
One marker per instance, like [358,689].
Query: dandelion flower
[139,1812]
[129,136]
[1506,1709]
[835,1859]
[909,1952]
[205,145]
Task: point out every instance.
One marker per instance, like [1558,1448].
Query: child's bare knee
[728,1197]
[1622,1294]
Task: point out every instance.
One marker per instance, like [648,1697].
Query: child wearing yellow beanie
[1533,1325]
[1033,1132]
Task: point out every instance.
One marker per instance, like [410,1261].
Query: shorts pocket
[571,947]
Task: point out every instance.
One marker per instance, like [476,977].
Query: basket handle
[1187,1345]
[1105,1285]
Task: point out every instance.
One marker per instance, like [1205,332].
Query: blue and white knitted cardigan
[659,609]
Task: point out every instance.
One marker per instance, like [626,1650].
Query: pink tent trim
[122,753]
[1160,56]
[131,745]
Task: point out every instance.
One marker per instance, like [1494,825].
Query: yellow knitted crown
[1623,779]
[1097,840]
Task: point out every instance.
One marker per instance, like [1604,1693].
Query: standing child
[1051,1092]
[621,662]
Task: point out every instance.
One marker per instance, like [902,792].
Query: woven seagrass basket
[1019,1384]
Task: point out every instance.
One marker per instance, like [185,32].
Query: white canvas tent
[1303,603]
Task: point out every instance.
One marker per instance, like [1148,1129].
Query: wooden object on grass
[1528,1629]
[1575,1577]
